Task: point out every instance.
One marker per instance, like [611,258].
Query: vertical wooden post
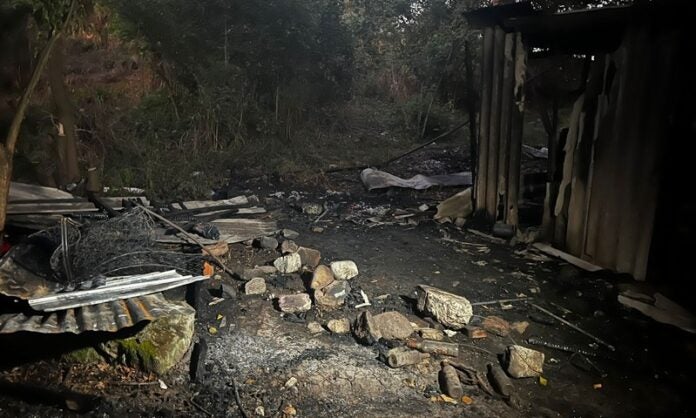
[517,122]
[486,79]
[471,109]
[507,102]
[494,125]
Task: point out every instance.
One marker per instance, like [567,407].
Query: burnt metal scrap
[108,317]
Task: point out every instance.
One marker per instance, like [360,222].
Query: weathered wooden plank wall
[605,209]
[500,133]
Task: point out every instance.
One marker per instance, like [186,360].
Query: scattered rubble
[268,243]
[290,263]
[220,249]
[435,347]
[496,325]
[312,208]
[288,246]
[321,277]
[289,234]
[255,286]
[475,332]
[333,295]
[431,334]
[402,356]
[344,270]
[300,302]
[523,362]
[458,206]
[499,380]
[309,257]
[450,310]
[365,330]
[393,325]
[520,327]
[339,326]
[449,381]
[315,327]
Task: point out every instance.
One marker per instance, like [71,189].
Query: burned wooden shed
[625,146]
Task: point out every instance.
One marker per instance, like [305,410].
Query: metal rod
[575,327]
[493,302]
[190,236]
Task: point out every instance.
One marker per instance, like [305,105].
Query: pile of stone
[401,342]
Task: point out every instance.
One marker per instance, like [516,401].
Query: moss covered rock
[85,355]
[161,344]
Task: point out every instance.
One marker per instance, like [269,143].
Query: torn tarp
[376,179]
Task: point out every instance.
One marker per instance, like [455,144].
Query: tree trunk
[66,143]
[8,147]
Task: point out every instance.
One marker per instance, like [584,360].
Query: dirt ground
[256,349]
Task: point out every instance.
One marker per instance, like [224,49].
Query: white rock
[450,310]
[523,362]
[315,327]
[339,326]
[344,270]
[255,286]
[290,263]
[300,302]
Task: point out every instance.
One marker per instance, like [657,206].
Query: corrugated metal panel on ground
[109,317]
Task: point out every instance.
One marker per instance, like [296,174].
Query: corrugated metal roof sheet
[110,316]
[18,282]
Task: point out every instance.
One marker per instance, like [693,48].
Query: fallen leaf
[447,399]
[212,330]
[467,400]
[290,410]
[543,381]
[208,269]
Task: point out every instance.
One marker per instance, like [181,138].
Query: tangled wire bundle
[86,254]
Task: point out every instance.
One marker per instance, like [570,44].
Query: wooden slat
[494,125]
[517,122]
[231,231]
[577,205]
[560,211]
[661,93]
[196,204]
[632,140]
[577,262]
[484,122]
[51,208]
[506,106]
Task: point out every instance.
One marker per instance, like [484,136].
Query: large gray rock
[161,344]
[290,263]
[523,362]
[450,310]
[344,270]
[393,325]
[300,302]
[321,277]
[333,295]
[268,243]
